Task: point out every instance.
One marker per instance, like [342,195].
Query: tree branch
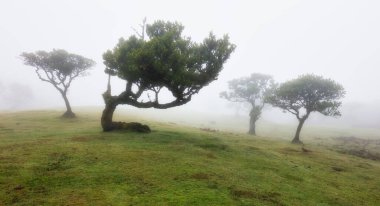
[50,80]
[293,111]
[40,77]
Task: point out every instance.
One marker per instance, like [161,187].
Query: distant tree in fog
[306,94]
[163,60]
[58,68]
[252,90]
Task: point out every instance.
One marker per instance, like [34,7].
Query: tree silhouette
[306,94]
[59,68]
[252,90]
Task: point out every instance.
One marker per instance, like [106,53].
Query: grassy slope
[45,160]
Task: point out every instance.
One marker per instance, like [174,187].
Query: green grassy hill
[45,160]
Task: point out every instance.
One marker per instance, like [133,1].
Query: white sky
[339,39]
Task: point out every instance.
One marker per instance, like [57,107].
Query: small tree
[252,90]
[164,61]
[307,94]
[58,68]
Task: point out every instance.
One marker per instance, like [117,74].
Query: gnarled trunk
[254,115]
[107,115]
[69,113]
[252,124]
[108,124]
[296,139]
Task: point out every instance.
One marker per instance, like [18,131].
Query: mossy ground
[47,160]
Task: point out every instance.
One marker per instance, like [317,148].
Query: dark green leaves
[311,93]
[162,28]
[168,59]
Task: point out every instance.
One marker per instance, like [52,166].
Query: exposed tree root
[297,141]
[69,115]
[130,126]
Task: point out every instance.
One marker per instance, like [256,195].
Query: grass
[45,160]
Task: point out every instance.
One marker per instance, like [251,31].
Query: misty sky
[339,39]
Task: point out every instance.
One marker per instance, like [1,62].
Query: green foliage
[306,94]
[166,60]
[253,89]
[58,64]
[57,67]
[311,93]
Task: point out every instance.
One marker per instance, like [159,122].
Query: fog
[336,39]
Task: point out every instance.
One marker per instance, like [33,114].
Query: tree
[165,61]
[58,68]
[306,94]
[252,90]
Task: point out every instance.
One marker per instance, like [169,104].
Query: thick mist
[335,39]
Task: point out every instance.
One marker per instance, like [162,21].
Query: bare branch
[71,78]
[137,33]
[40,77]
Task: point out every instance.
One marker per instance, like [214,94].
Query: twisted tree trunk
[296,139]
[69,113]
[252,124]
[109,125]
[107,116]
[254,115]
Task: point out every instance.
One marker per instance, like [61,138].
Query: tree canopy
[166,59]
[253,90]
[306,94]
[58,68]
